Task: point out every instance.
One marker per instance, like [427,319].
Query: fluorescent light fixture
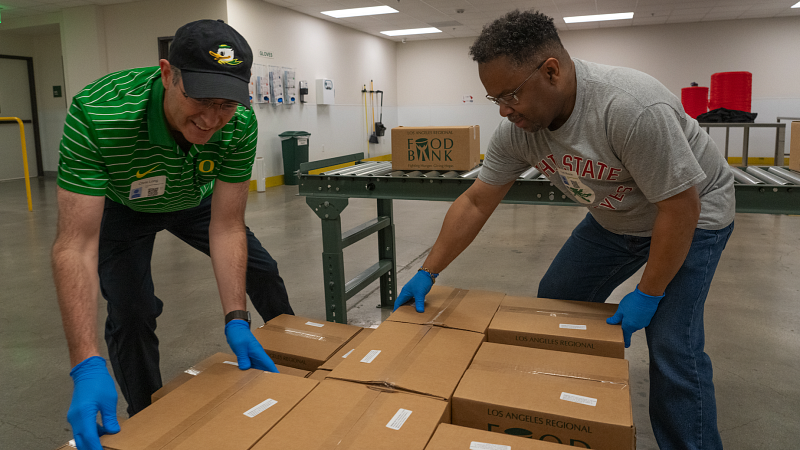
[598,17]
[796,5]
[355,12]
[411,31]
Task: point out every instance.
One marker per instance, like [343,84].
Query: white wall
[318,49]
[433,75]
[52,110]
[132,29]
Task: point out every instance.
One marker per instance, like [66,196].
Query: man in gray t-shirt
[656,187]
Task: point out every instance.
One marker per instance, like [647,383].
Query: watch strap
[238,314]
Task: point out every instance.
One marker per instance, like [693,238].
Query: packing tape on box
[350,421]
[305,334]
[174,437]
[552,313]
[410,352]
[450,305]
[499,367]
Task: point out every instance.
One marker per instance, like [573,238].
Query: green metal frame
[328,196]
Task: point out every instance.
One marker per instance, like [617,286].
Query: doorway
[18,99]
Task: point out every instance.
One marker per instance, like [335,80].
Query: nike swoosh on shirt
[140,175]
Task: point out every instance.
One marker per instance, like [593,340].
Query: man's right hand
[417,288]
[94,391]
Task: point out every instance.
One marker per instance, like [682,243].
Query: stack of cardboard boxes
[477,370]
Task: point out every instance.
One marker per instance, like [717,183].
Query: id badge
[581,192]
[148,187]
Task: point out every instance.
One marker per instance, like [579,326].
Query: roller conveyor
[766,190]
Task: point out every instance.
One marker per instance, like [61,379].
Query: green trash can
[295,152]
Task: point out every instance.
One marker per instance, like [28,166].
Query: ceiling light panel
[411,31]
[357,12]
[598,17]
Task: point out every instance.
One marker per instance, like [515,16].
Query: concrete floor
[752,319]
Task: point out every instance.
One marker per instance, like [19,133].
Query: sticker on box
[259,408]
[348,353]
[399,419]
[371,356]
[578,399]
[571,327]
[314,324]
[474,445]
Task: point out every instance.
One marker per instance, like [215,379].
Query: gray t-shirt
[627,145]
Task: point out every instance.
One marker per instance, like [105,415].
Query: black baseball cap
[214,60]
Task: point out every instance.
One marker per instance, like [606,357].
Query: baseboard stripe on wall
[269,182]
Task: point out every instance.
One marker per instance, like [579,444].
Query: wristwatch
[238,314]
[433,275]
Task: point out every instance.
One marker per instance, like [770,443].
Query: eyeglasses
[511,99]
[207,103]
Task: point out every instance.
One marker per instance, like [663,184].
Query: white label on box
[371,356]
[399,419]
[259,408]
[571,327]
[348,353]
[484,446]
[314,324]
[192,371]
[231,363]
[578,399]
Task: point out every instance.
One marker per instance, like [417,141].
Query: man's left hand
[248,351]
[634,313]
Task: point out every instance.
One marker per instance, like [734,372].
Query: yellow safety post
[24,157]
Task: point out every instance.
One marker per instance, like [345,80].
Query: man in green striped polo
[142,151]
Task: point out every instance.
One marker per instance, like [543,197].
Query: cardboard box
[303,343]
[794,147]
[346,350]
[217,358]
[223,407]
[341,415]
[319,374]
[453,437]
[567,398]
[436,148]
[415,358]
[563,325]
[452,308]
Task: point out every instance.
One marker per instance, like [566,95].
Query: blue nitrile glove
[246,348]
[634,312]
[417,288]
[94,391]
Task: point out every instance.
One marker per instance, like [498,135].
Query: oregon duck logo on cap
[224,55]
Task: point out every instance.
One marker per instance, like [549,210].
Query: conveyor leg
[386,250]
[329,211]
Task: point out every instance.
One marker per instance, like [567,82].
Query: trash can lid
[288,134]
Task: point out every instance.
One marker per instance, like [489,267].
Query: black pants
[126,247]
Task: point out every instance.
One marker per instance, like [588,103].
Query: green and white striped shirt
[117,143]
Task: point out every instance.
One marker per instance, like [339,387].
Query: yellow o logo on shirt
[202,166]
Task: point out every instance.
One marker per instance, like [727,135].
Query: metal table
[767,190]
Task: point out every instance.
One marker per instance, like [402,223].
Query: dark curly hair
[521,36]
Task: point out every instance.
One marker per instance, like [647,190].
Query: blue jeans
[593,262]
[126,246]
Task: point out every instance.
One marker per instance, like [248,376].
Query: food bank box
[217,358]
[562,325]
[342,415]
[223,407]
[346,350]
[436,148]
[302,343]
[452,308]
[453,437]
[794,148]
[566,398]
[415,358]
